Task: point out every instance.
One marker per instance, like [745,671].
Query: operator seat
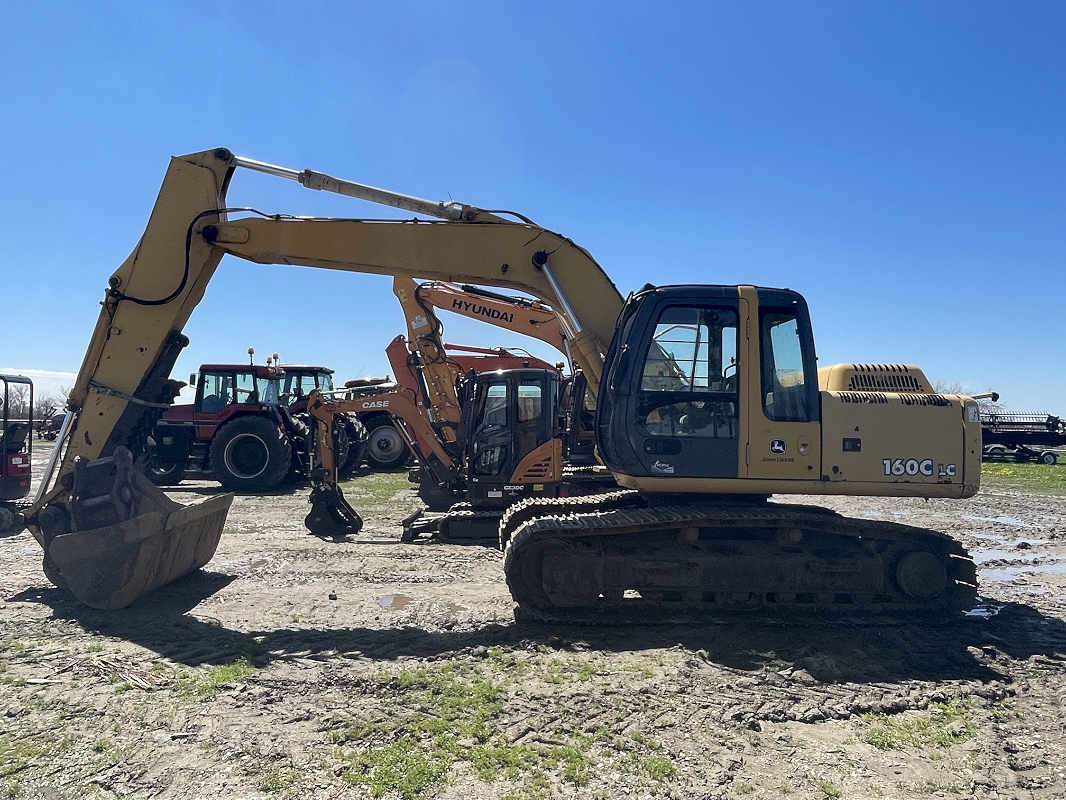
[212,404]
[14,437]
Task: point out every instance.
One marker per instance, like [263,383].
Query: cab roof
[259,370]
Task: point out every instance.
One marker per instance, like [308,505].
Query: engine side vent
[891,383]
[925,400]
[875,398]
[537,471]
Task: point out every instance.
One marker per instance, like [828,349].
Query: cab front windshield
[269,391]
[299,385]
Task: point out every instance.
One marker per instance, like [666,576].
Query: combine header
[1013,436]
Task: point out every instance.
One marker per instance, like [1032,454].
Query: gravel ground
[292,667]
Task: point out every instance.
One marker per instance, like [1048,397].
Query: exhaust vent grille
[885,378]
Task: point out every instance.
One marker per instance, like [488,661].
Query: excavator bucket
[331,517]
[154,540]
[111,567]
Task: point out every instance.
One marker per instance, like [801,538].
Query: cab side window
[246,389]
[530,400]
[688,384]
[216,392]
[494,414]
[785,390]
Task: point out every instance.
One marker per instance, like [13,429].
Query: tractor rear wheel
[387,449]
[250,454]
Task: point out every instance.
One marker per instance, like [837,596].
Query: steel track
[614,558]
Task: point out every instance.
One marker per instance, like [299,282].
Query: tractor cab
[300,381]
[223,385]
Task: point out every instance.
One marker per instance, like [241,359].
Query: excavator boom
[124,383]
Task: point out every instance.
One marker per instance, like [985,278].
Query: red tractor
[237,431]
[247,427]
[15,446]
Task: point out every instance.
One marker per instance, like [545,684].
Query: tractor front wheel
[166,474]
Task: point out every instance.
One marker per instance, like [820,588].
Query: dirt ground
[293,667]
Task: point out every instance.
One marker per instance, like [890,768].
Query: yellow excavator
[709,401]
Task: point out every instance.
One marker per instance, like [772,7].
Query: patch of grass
[659,768]
[101,745]
[640,671]
[396,767]
[644,741]
[20,753]
[554,672]
[11,790]
[96,647]
[452,713]
[829,790]
[378,490]
[205,685]
[1030,477]
[275,782]
[889,733]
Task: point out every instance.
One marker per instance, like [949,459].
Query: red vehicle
[15,445]
[350,438]
[237,430]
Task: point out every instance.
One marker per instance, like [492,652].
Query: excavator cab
[680,377]
[511,422]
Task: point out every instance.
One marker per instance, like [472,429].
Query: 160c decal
[912,466]
[909,466]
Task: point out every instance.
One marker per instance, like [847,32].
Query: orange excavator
[708,401]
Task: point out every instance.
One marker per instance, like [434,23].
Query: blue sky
[903,165]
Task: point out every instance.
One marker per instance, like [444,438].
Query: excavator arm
[91,512]
[528,317]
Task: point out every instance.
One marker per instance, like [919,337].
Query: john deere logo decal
[777,446]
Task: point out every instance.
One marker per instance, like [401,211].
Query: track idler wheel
[921,575]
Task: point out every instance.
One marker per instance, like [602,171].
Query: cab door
[491,434]
[216,391]
[782,421]
[671,407]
